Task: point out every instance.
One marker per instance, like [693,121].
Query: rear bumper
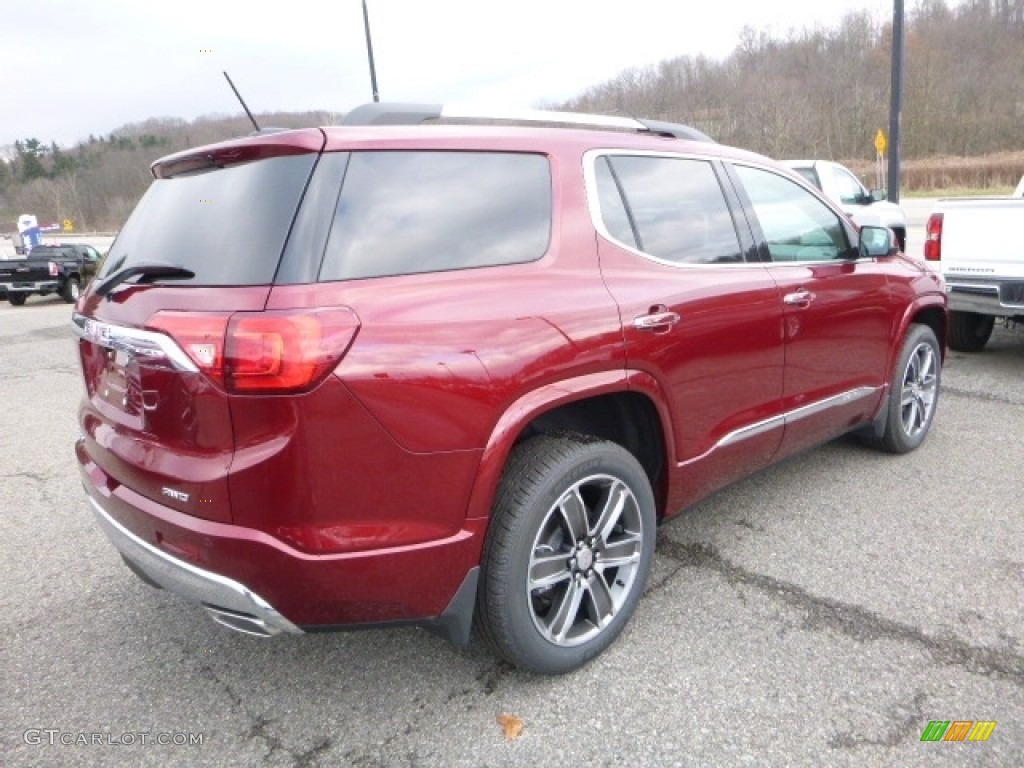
[40,286]
[986,296]
[254,582]
[229,602]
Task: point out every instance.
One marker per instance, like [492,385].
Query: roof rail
[395,113]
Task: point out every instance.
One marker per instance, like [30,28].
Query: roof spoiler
[395,113]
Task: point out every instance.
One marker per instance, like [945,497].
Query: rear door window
[406,212]
[674,209]
[227,225]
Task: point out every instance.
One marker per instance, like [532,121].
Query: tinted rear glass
[227,225]
[678,209]
[403,212]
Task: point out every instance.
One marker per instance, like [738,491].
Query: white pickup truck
[839,184]
[977,241]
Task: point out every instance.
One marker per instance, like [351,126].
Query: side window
[676,207]
[404,212]
[796,225]
[851,191]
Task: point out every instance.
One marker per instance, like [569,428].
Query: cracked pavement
[820,613]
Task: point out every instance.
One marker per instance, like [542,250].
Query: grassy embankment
[995,174]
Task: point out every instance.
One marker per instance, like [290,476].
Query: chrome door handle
[799,298]
[662,321]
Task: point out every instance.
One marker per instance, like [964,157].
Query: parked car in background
[843,187]
[457,374]
[61,269]
[977,241]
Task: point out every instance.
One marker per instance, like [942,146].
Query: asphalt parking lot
[818,614]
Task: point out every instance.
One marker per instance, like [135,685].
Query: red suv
[412,369]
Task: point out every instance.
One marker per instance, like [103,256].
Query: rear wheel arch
[601,407]
[627,419]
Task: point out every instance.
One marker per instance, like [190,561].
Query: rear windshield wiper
[151,269]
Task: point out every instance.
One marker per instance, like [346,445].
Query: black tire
[552,488]
[969,331]
[914,393]
[17,299]
[901,238]
[72,290]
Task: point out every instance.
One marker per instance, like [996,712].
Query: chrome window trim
[132,340]
[804,411]
[590,159]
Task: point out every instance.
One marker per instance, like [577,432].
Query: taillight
[269,352]
[933,238]
[285,351]
[53,269]
[200,336]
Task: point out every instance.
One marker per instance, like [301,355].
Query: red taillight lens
[268,352]
[200,335]
[933,235]
[53,269]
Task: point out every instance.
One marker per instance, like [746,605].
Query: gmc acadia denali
[419,369]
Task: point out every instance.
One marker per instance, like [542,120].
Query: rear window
[226,225]
[405,212]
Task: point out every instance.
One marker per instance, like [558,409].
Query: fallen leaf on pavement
[512,726]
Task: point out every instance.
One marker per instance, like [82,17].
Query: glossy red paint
[366,497]
[384,585]
[851,311]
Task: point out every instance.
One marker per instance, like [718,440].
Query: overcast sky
[70,68]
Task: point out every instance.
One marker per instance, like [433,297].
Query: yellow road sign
[880,142]
[68,225]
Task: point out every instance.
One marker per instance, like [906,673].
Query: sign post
[880,146]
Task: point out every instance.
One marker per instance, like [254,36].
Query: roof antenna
[369,54]
[242,102]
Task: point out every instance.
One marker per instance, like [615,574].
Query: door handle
[657,321]
[801,298]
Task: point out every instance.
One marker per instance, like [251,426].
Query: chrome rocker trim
[795,415]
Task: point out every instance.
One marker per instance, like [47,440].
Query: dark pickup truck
[62,269]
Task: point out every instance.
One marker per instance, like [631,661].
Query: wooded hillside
[814,93]
[825,92]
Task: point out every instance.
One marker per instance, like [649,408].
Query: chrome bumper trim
[220,595]
[986,298]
